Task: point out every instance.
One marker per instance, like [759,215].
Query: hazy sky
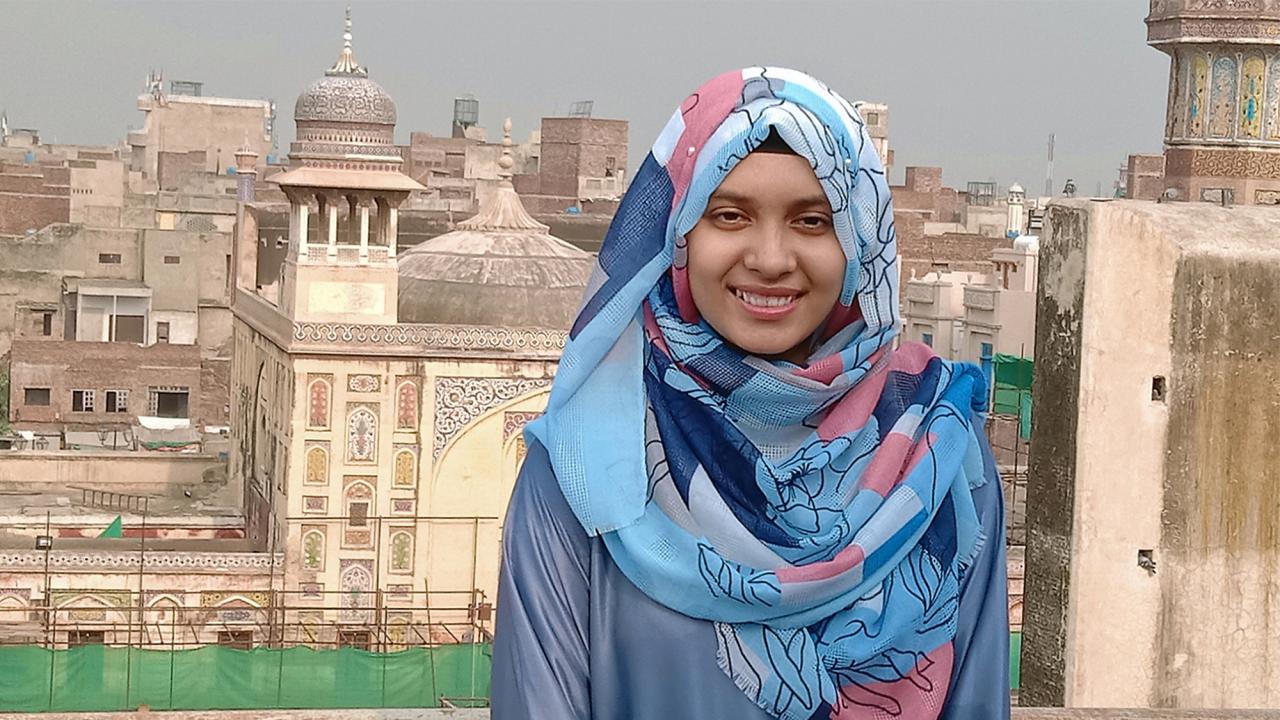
[974,86]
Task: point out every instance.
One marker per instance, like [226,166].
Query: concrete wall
[1137,297]
[118,472]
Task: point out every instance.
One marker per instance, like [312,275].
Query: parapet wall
[1153,529]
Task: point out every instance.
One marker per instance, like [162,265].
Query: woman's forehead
[771,178]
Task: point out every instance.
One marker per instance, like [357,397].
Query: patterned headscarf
[819,515]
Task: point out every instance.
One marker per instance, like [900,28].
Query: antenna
[1048,178]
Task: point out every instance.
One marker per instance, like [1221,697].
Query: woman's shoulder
[538,506]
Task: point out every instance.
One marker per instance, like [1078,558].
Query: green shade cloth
[97,678]
[1015,660]
[115,529]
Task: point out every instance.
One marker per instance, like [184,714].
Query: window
[169,402]
[359,514]
[36,397]
[354,638]
[987,351]
[610,166]
[76,638]
[873,118]
[128,328]
[82,401]
[238,639]
[46,324]
[162,332]
[927,339]
[172,260]
[108,258]
[117,401]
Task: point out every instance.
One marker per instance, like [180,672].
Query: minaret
[246,172]
[1017,211]
[345,187]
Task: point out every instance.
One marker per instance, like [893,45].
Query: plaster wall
[1153,437]
[129,472]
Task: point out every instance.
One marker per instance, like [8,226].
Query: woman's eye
[731,217]
[814,222]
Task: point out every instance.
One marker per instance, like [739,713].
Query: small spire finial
[506,162]
[346,64]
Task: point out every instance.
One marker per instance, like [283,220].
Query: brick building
[33,195]
[582,163]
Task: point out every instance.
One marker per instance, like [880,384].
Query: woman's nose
[770,254]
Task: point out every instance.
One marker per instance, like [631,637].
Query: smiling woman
[743,500]
[765,265]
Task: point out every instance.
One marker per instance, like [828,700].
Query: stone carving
[339,99]
[432,337]
[356,578]
[459,400]
[112,561]
[362,434]
[1235,163]
[364,383]
[1266,197]
[514,422]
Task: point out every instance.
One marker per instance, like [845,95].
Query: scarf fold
[819,516]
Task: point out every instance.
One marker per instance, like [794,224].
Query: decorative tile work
[313,546]
[317,463]
[459,400]
[473,338]
[402,506]
[318,399]
[1235,163]
[1253,74]
[312,591]
[406,468]
[113,561]
[1223,98]
[399,591]
[514,422]
[111,598]
[358,491]
[400,561]
[364,383]
[214,598]
[407,405]
[315,504]
[362,433]
[356,577]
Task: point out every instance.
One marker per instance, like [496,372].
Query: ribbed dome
[501,268]
[345,99]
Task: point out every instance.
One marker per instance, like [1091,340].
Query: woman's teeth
[764,300]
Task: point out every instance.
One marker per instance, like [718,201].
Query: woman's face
[764,265]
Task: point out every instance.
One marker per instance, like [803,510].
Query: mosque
[378,400]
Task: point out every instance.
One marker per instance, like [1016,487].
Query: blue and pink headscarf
[819,515]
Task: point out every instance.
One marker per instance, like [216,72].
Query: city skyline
[1026,69]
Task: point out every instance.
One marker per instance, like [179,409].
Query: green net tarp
[98,678]
[1012,392]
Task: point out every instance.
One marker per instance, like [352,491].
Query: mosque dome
[344,119]
[499,268]
[339,98]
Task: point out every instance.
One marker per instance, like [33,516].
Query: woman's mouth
[767,305]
